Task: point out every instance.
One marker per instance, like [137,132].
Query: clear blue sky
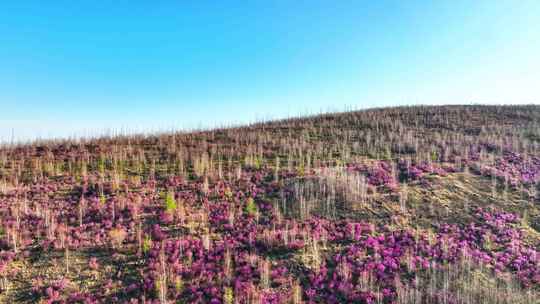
[80,67]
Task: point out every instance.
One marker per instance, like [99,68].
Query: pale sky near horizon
[75,68]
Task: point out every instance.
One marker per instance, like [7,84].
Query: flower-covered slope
[401,205]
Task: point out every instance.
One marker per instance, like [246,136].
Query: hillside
[393,205]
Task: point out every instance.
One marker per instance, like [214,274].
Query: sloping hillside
[392,205]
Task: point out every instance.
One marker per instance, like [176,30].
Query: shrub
[170,203]
[251,207]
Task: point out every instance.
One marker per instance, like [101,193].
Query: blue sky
[82,67]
